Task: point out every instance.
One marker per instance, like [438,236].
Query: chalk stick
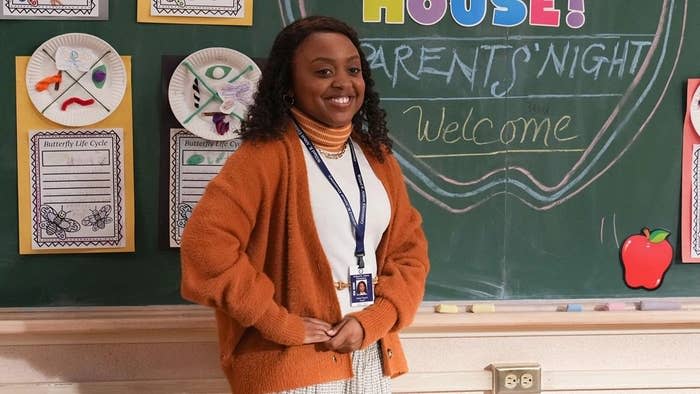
[483,308]
[574,308]
[614,306]
[446,308]
[653,305]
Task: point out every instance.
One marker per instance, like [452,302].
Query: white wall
[173,350]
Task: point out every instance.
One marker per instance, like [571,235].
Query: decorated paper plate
[210,92]
[76,79]
[695,111]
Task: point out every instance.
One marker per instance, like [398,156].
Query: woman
[311,202]
[361,288]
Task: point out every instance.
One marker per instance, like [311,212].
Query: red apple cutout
[646,257]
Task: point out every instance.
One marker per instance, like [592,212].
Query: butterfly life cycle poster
[194,162]
[201,12]
[75,185]
[55,9]
[77,188]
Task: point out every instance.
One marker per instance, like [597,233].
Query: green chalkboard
[533,141]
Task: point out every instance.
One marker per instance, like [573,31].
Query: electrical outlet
[516,378]
[527,380]
[511,381]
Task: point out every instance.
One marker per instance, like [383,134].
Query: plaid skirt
[367,379]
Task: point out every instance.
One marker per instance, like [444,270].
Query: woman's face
[361,287]
[327,78]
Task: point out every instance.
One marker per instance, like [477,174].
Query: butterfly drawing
[98,218]
[35,3]
[57,223]
[184,212]
[180,3]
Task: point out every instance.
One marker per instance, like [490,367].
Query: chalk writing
[581,99]
[484,131]
[553,109]
[472,66]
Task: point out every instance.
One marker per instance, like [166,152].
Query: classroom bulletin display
[536,139]
[75,185]
[204,12]
[55,9]
[690,214]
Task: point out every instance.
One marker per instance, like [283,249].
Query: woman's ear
[288,99]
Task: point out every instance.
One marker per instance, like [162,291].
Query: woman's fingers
[318,322]
[348,338]
[335,329]
[315,330]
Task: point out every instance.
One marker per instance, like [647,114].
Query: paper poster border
[202,10]
[179,139]
[168,65]
[143,15]
[28,118]
[174,177]
[65,13]
[694,228]
[115,240]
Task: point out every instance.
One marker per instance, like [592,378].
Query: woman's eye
[355,70]
[324,72]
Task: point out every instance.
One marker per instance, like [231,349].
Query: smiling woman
[329,89]
[293,221]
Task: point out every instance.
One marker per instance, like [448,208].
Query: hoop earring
[287,99]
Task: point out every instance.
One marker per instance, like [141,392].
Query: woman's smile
[340,100]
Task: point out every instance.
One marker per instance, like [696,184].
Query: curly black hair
[269,114]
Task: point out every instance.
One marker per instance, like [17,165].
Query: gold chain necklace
[333,155]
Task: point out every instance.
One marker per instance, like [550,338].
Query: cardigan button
[335,359]
[389,353]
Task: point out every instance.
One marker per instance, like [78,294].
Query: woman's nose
[341,81]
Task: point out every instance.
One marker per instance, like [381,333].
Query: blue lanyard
[357,225]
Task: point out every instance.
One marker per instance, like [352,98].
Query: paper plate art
[210,91]
[76,79]
[695,111]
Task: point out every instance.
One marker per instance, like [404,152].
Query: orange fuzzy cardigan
[251,251]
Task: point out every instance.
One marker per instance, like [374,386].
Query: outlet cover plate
[507,378]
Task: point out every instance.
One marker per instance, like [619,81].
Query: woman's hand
[316,330]
[346,336]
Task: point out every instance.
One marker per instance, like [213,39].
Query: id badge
[361,290]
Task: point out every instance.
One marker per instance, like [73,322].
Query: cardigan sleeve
[401,285]
[216,271]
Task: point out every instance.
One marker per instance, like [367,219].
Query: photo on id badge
[361,291]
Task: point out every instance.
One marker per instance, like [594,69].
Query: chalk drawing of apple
[646,257]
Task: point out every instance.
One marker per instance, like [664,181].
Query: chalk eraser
[446,308]
[653,305]
[483,308]
[614,306]
[574,308]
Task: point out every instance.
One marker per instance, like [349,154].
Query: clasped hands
[344,337]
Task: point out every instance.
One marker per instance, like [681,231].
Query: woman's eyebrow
[331,60]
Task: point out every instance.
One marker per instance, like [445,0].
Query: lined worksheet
[194,162]
[199,8]
[695,204]
[54,9]
[77,186]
